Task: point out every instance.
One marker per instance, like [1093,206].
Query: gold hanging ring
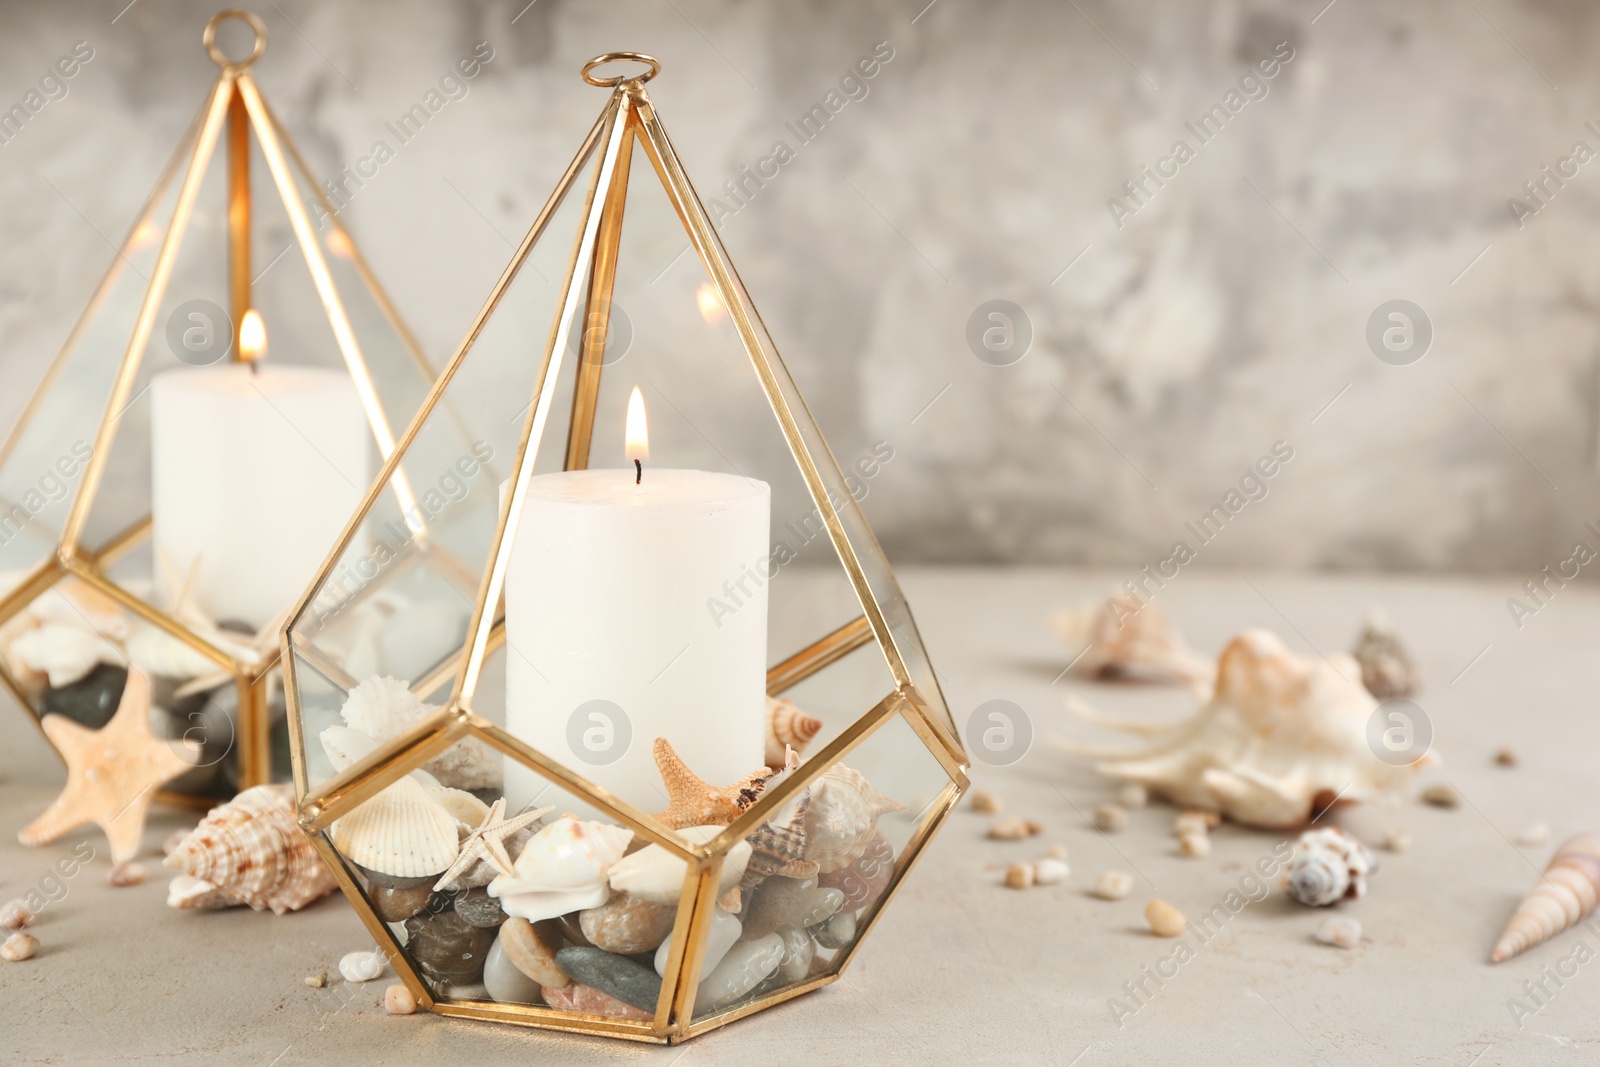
[218,56]
[621,57]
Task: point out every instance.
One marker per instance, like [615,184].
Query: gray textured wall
[1174,340]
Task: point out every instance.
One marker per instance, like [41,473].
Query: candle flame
[252,337]
[710,302]
[637,433]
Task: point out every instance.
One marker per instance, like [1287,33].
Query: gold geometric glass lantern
[166,493]
[538,735]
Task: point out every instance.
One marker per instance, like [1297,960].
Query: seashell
[656,875]
[187,891]
[1533,835]
[561,869]
[126,873]
[253,852]
[842,816]
[691,801]
[864,881]
[19,947]
[382,709]
[362,966]
[1328,866]
[401,832]
[1113,885]
[1340,931]
[1566,892]
[776,849]
[63,654]
[157,652]
[1120,637]
[81,606]
[1387,669]
[787,728]
[345,747]
[1282,736]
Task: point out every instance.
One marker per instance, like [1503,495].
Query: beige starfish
[112,773]
[692,801]
[488,843]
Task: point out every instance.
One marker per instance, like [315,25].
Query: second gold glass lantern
[575,791]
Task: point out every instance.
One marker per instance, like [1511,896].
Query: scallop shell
[841,817]
[1387,669]
[64,654]
[656,875]
[1567,891]
[1122,637]
[402,832]
[382,709]
[251,851]
[1328,866]
[562,868]
[1282,737]
[787,726]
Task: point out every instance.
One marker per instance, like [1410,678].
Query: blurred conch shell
[841,816]
[1328,866]
[250,851]
[1120,637]
[1567,891]
[1282,737]
[787,726]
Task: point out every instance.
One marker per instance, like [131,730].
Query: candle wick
[638,472]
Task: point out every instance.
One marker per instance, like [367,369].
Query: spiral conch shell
[1328,866]
[1282,737]
[1122,637]
[250,851]
[787,726]
[841,817]
[1566,892]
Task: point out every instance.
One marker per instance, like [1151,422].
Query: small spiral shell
[787,726]
[1328,866]
[1566,893]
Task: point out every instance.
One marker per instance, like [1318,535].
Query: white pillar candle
[254,474]
[606,600]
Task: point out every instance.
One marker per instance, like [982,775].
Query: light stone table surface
[961,970]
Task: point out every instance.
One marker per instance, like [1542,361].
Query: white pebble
[1191,822]
[1533,835]
[362,966]
[1113,885]
[14,915]
[1050,872]
[129,872]
[1133,796]
[1340,930]
[19,947]
[1194,845]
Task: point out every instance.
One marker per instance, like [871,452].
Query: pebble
[627,925]
[504,981]
[531,948]
[1057,852]
[587,1000]
[1113,885]
[394,881]
[1441,795]
[1190,822]
[478,908]
[362,966]
[1050,871]
[316,981]
[129,872]
[984,802]
[838,931]
[725,930]
[446,947]
[798,951]
[1133,796]
[864,881]
[398,1000]
[92,699]
[745,966]
[14,915]
[1532,835]
[19,947]
[1164,919]
[1396,840]
[626,979]
[572,930]
[1019,876]
[1194,845]
[780,902]
[1340,930]
[398,905]
[1014,829]
[1109,818]
[1506,757]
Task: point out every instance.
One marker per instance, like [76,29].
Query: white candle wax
[606,600]
[253,474]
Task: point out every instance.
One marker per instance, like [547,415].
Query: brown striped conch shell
[1565,894]
[1328,866]
[1281,738]
[788,726]
[402,832]
[841,817]
[1120,637]
[251,851]
[778,846]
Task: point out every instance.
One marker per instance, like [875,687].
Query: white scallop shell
[841,817]
[63,653]
[1328,866]
[401,832]
[656,875]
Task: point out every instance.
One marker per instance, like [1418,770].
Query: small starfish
[112,773]
[488,843]
[692,801]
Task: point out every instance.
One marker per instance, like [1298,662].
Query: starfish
[112,773]
[694,802]
[488,843]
